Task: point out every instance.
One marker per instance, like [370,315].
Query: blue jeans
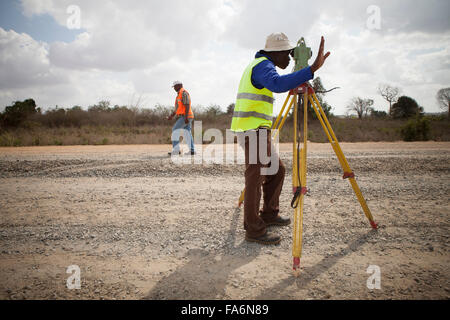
[181,128]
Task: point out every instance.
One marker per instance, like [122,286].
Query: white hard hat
[176,82]
[278,42]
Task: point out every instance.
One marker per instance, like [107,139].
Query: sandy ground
[141,227]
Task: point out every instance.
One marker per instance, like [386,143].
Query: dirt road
[139,226]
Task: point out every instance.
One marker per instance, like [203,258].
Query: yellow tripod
[299,161]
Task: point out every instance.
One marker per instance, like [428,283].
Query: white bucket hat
[278,42]
[176,82]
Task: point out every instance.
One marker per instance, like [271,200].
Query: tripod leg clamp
[348,175]
[297,192]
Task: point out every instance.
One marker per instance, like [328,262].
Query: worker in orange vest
[185,117]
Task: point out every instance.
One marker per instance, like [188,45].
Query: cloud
[406,16]
[122,36]
[137,48]
[252,22]
[24,62]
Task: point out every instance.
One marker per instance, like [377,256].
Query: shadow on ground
[279,290]
[206,273]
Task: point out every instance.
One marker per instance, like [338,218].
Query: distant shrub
[212,112]
[417,129]
[230,108]
[54,118]
[75,116]
[36,141]
[378,114]
[406,107]
[16,114]
[6,140]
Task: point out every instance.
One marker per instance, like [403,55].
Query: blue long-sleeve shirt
[265,75]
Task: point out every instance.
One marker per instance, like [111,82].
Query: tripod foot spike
[373,224]
[296,266]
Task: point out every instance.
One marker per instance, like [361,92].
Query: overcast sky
[124,50]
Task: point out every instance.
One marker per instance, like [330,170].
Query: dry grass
[346,129]
[355,130]
[86,135]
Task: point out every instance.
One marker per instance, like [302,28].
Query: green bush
[16,114]
[406,107]
[10,140]
[378,114]
[36,141]
[17,142]
[417,129]
[6,140]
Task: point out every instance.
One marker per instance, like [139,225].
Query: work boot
[279,221]
[267,239]
[191,153]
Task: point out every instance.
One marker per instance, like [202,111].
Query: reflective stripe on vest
[246,114]
[181,110]
[255,97]
[254,107]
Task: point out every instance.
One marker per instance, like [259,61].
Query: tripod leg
[348,173]
[241,198]
[276,132]
[298,212]
[275,124]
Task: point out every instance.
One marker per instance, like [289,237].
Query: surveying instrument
[305,94]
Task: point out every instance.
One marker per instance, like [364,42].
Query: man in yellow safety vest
[253,115]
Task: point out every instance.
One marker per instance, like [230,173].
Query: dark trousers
[254,219]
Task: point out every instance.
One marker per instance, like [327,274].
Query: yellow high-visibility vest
[254,107]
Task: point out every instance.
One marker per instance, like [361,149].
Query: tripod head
[301,55]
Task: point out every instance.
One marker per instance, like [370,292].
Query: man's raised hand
[320,59]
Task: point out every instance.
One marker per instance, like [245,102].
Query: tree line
[400,107]
[26,113]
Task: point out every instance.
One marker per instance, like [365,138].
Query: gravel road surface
[140,226]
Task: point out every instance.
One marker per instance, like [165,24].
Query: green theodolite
[301,55]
